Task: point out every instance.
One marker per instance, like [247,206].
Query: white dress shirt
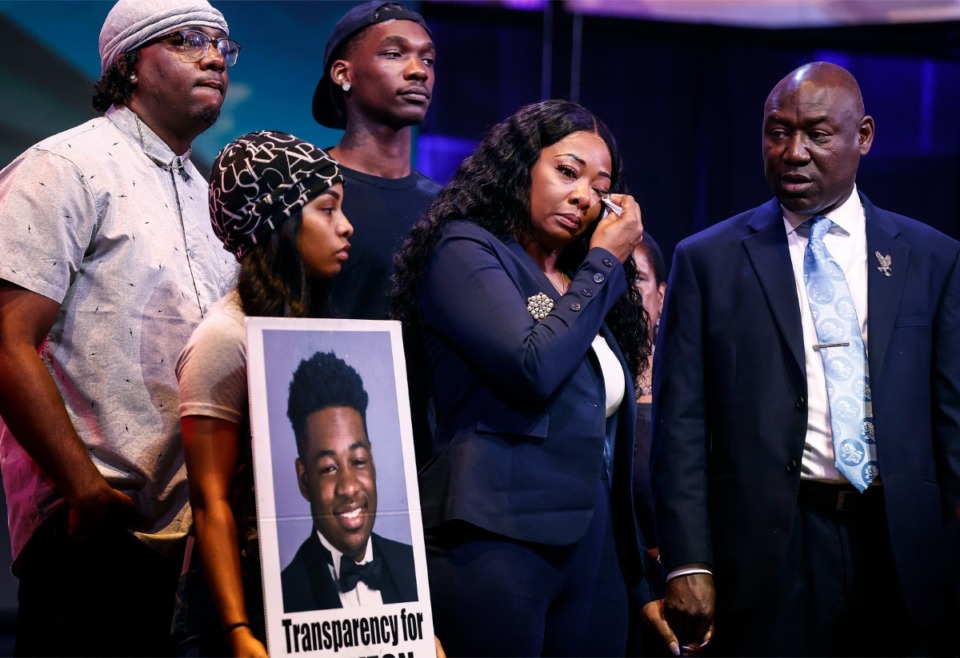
[847,243]
[360,595]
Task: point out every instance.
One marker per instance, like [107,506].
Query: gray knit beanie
[132,23]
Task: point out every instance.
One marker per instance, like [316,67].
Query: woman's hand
[243,644]
[653,614]
[619,235]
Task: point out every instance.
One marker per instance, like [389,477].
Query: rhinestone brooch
[539,306]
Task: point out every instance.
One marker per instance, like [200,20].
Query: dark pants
[107,597]
[835,594]
[197,629]
[493,596]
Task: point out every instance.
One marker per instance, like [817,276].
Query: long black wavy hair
[492,189]
[272,281]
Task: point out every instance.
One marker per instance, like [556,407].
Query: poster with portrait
[341,538]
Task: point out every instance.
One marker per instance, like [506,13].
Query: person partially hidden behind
[343,564]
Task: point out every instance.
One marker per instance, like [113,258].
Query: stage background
[684,98]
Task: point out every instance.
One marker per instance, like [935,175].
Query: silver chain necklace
[175,165]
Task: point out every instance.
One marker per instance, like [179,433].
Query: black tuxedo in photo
[308,585]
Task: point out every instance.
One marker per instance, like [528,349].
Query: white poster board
[374,349]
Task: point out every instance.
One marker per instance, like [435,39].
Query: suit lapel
[768,253]
[321,582]
[388,588]
[883,292]
[533,270]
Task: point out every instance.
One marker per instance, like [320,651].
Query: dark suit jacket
[520,416]
[307,584]
[730,397]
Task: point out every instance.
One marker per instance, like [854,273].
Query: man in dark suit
[343,563]
[801,549]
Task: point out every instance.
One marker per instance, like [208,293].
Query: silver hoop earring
[346,86]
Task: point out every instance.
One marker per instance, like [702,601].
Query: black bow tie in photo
[351,572]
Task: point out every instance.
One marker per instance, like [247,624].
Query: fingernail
[674,648]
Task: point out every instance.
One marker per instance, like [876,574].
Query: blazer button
[598,278]
[607,262]
[801,402]
[586,292]
[574,306]
[791,466]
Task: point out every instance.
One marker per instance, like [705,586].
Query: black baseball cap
[325,108]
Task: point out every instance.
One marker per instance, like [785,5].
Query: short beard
[207,117]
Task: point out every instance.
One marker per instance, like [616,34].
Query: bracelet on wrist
[232,627]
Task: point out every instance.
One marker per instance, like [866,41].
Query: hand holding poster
[341,540]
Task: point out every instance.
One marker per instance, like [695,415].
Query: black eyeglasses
[194,45]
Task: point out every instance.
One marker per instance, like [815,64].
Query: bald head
[814,134]
[820,75]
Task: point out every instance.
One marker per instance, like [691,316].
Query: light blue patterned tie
[844,360]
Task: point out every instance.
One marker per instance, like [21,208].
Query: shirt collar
[849,216]
[140,134]
[336,555]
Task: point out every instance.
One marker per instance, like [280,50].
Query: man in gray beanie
[107,263]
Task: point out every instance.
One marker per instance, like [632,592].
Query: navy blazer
[520,411]
[730,393]
[307,584]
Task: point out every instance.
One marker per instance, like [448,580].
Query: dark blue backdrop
[685,101]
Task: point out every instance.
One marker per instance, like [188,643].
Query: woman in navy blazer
[532,336]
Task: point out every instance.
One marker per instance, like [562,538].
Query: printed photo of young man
[343,563]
